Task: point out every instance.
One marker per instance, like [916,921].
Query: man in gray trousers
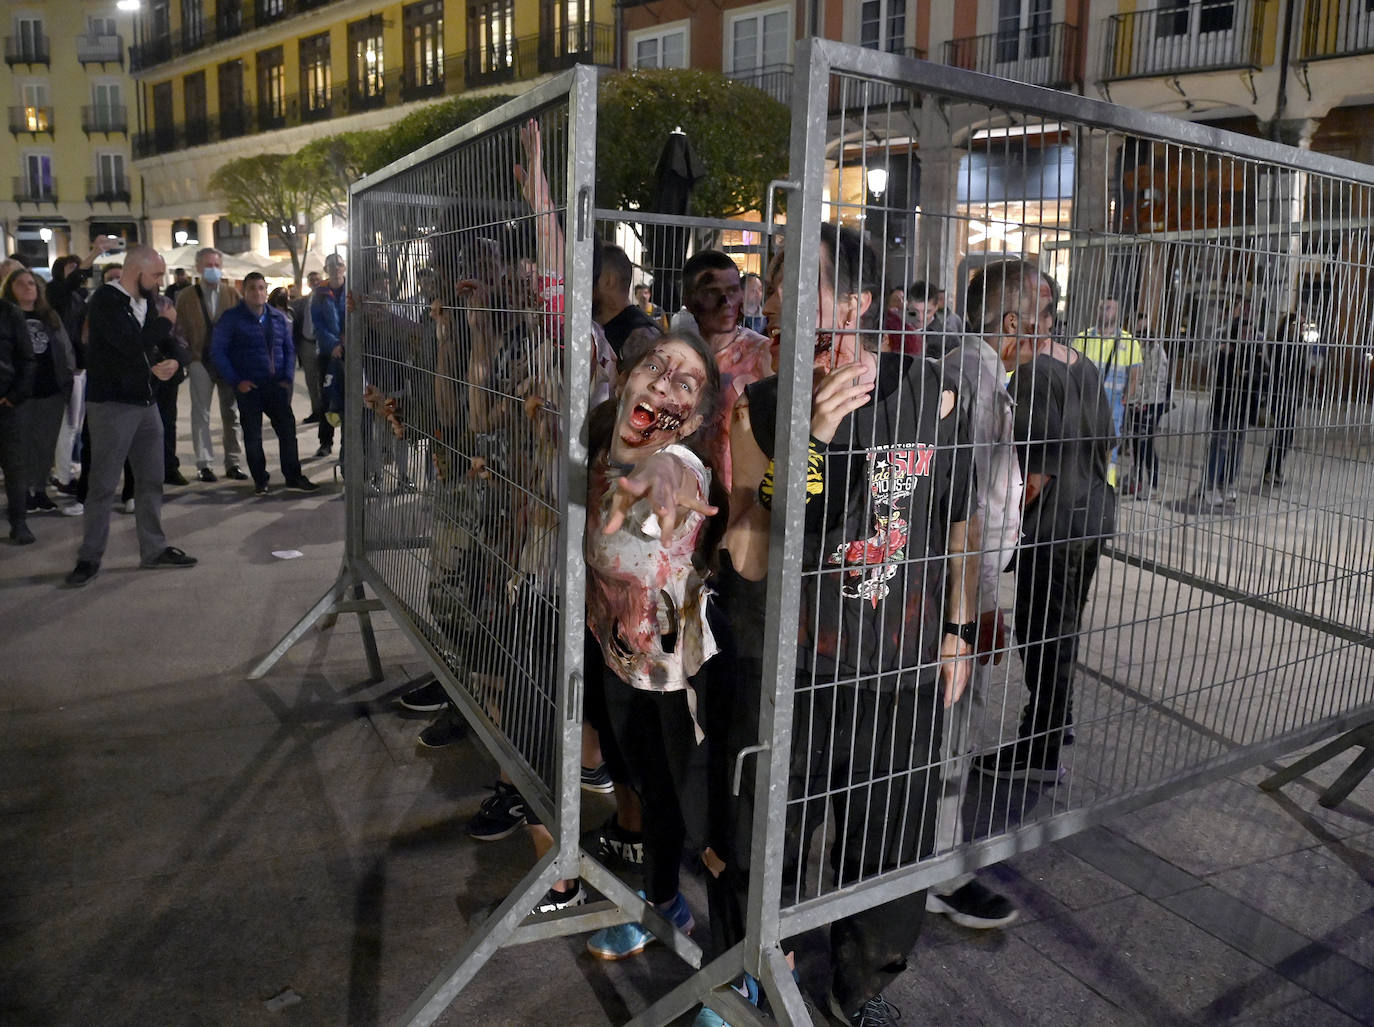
[129,347]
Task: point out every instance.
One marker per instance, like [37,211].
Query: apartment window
[192,24]
[882,25]
[228,18]
[38,180]
[35,112]
[110,182]
[315,76]
[662,47]
[366,66]
[271,88]
[107,108]
[1174,17]
[1021,21]
[424,46]
[758,40]
[30,45]
[98,27]
[494,34]
[269,10]
[233,120]
[193,94]
[569,24]
[159,19]
[164,129]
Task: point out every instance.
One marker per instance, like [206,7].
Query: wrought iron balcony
[775,80]
[30,120]
[36,191]
[531,56]
[232,18]
[1045,55]
[100,189]
[26,50]
[108,119]
[1337,28]
[1209,36]
[100,49]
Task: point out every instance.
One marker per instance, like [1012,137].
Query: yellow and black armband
[815,474]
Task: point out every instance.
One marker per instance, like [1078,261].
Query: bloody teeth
[669,422]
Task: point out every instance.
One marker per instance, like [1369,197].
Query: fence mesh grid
[1231,603]
[458,286]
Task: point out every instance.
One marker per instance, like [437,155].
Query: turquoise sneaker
[748,987]
[625,940]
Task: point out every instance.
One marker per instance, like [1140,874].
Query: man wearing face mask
[198,308]
[130,351]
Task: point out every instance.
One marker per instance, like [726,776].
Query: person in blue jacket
[328,305]
[253,353]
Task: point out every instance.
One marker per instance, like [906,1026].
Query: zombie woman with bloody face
[648,517]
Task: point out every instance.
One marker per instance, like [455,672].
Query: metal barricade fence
[1213,636]
[1229,619]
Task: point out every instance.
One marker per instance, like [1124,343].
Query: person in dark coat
[129,350]
[16,382]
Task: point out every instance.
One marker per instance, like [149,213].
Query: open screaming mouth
[646,420]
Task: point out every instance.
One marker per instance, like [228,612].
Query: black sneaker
[449,728]
[174,478]
[302,484]
[206,475]
[20,535]
[430,698]
[235,473]
[404,487]
[556,900]
[260,490]
[1020,762]
[500,816]
[876,1012]
[324,451]
[41,502]
[67,488]
[597,779]
[84,571]
[615,848]
[974,905]
[170,557]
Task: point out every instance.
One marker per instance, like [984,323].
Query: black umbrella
[677,172]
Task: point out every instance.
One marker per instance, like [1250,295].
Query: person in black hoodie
[16,382]
[129,350]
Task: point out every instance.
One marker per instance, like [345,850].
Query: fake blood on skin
[669,419]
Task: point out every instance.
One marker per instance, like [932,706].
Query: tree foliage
[424,126]
[275,188]
[335,162]
[738,133]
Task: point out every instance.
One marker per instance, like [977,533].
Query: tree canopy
[275,188]
[738,133]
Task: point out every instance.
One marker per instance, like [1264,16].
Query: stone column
[205,228]
[1091,275]
[257,237]
[160,233]
[936,239]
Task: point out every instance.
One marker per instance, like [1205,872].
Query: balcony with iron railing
[108,189]
[1337,28]
[100,49]
[231,19]
[30,120]
[1216,35]
[1044,55]
[531,56]
[35,190]
[106,118]
[773,79]
[26,50]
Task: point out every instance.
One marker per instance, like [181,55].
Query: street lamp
[877,181]
[45,234]
[181,236]
[129,5]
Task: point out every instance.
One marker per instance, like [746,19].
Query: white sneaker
[73,510]
[1213,499]
[128,506]
[1232,495]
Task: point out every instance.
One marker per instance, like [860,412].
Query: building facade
[221,79]
[67,155]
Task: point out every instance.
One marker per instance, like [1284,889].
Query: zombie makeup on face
[661,395]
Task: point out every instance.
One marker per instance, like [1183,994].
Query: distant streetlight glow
[181,237]
[877,181]
[129,5]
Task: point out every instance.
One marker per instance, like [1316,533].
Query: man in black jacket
[129,351]
[16,382]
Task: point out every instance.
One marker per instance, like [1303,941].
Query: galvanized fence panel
[1230,615]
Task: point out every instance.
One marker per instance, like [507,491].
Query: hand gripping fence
[1139,422]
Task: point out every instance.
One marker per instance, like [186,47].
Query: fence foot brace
[1362,736]
[325,612]
[711,987]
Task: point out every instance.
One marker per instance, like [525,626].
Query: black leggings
[667,767]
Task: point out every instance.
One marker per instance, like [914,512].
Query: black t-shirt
[45,372]
[625,324]
[896,477]
[1064,428]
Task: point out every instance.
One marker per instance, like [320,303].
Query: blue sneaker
[748,987]
[625,940]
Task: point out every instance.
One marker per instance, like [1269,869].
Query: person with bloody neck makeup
[888,617]
[647,519]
